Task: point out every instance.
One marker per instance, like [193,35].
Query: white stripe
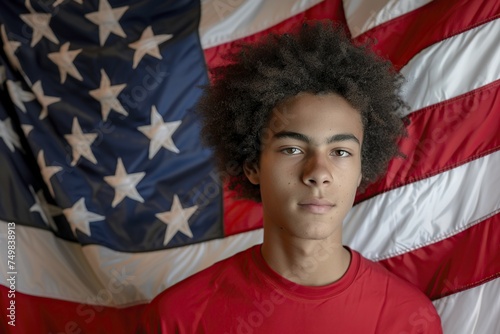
[426,211]
[473,311]
[50,267]
[389,224]
[224,21]
[453,66]
[362,15]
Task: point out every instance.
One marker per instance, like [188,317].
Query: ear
[252,172]
[360,178]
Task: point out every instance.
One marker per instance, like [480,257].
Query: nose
[316,171]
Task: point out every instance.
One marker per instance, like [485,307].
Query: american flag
[108,197]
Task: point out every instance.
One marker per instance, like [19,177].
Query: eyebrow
[299,136]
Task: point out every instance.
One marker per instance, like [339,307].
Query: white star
[64,61]
[46,210]
[39,22]
[9,136]
[124,184]
[148,43]
[106,95]
[58,2]
[26,129]
[45,101]
[10,48]
[80,143]
[176,220]
[160,133]
[47,171]
[79,217]
[107,20]
[18,95]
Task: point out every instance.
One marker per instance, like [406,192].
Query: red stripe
[44,315]
[240,215]
[465,260]
[403,37]
[328,9]
[444,136]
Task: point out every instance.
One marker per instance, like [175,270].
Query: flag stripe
[401,39]
[471,56]
[426,211]
[471,311]
[365,15]
[226,21]
[241,215]
[457,263]
[324,10]
[444,136]
[42,315]
[77,273]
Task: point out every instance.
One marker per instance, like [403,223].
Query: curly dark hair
[317,58]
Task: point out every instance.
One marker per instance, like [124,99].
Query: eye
[291,151]
[341,153]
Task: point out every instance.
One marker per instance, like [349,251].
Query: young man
[309,118]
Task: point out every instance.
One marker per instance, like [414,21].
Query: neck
[307,262]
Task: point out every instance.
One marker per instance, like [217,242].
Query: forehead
[316,115]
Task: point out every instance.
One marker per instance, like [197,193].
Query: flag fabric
[108,197]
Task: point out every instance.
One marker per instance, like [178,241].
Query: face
[310,167]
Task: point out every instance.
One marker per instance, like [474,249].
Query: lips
[316,205]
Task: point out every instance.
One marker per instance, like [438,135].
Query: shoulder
[204,283]
[380,276]
[186,301]
[404,307]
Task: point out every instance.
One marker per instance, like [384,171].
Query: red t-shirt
[243,295]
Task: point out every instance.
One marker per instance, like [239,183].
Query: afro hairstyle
[317,57]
